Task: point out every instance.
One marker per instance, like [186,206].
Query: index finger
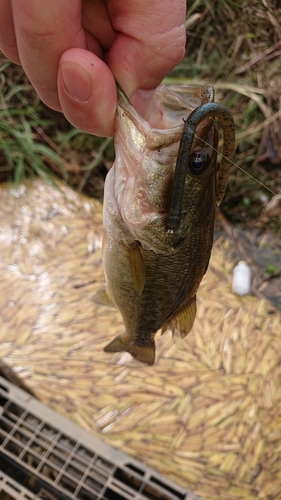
[8,44]
[150,41]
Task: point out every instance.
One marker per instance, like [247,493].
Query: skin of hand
[73,51]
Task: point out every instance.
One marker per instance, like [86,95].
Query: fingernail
[77,82]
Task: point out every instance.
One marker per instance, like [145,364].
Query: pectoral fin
[102,298]
[146,354]
[184,320]
[136,266]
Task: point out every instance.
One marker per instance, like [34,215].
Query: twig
[257,58]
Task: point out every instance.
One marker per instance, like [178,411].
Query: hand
[73,51]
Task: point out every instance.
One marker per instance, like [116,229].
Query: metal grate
[11,490]
[53,459]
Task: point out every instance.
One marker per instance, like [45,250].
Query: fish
[159,210]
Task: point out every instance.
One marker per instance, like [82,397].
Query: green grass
[22,150]
[33,143]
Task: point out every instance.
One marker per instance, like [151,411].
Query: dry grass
[207,414]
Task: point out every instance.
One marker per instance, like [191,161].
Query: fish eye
[198,162]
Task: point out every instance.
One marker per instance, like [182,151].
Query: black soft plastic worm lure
[214,110]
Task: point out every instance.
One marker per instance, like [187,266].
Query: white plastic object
[241,280]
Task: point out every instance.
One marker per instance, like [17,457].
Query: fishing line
[235,165]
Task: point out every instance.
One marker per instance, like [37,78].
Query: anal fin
[184,320]
[146,354]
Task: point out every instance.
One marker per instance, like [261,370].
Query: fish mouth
[167,108]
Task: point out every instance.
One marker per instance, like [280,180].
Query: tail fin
[146,354]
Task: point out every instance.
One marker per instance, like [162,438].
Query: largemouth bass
[159,210]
